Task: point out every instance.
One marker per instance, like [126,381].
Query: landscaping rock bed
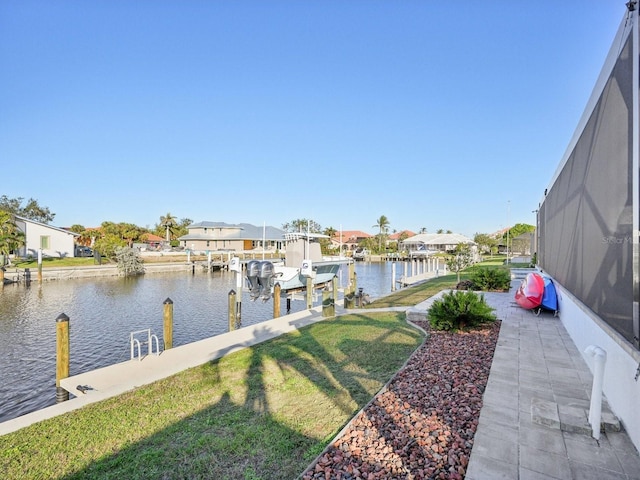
[423,424]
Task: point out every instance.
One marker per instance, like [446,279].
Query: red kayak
[530,293]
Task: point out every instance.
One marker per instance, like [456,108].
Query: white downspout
[595,409]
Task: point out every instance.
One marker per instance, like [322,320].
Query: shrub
[465,285]
[129,261]
[492,279]
[459,310]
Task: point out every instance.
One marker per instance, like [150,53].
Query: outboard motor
[267,272]
[253,272]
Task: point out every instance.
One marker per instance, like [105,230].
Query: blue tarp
[549,297]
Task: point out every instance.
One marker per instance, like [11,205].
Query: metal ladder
[136,345]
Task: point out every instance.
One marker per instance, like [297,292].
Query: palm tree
[11,237]
[169,222]
[383,225]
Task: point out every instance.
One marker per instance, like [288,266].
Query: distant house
[153,241]
[54,241]
[435,242]
[396,237]
[349,239]
[217,236]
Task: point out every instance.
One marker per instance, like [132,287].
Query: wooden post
[276,300]
[62,356]
[39,265]
[349,300]
[1,276]
[168,323]
[232,310]
[352,274]
[309,293]
[335,289]
[328,306]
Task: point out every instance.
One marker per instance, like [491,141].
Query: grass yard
[55,262]
[264,412]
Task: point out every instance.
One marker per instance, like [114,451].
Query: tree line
[110,235]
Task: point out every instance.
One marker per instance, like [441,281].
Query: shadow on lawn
[325,371]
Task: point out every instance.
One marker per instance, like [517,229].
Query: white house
[434,242]
[54,241]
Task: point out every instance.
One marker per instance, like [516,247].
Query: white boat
[303,260]
[421,251]
[361,253]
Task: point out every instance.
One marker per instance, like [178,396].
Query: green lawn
[49,262]
[408,297]
[264,412]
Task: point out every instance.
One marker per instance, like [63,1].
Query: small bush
[129,261]
[459,310]
[465,285]
[492,279]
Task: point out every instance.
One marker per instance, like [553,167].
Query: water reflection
[103,312]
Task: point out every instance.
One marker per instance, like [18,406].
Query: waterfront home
[434,242]
[54,241]
[349,240]
[220,236]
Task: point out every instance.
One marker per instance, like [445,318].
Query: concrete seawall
[64,273]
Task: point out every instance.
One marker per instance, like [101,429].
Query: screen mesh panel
[585,220]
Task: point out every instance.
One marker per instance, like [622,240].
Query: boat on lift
[303,260]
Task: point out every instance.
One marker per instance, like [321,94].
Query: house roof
[59,229]
[438,239]
[351,235]
[396,236]
[240,231]
[207,224]
[151,237]
[499,233]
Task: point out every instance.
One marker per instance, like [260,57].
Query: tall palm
[383,225]
[169,222]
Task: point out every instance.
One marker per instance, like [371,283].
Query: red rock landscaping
[422,425]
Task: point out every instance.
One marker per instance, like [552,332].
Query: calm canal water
[104,311]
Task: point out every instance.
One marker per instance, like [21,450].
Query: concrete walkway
[533,423]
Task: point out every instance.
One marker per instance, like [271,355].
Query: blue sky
[436,114]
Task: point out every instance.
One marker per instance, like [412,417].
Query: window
[44,241]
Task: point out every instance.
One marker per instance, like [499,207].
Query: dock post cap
[168,301]
[232,292]
[62,318]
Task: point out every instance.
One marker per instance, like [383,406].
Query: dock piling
[62,356]
[168,323]
[328,306]
[39,265]
[276,300]
[309,293]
